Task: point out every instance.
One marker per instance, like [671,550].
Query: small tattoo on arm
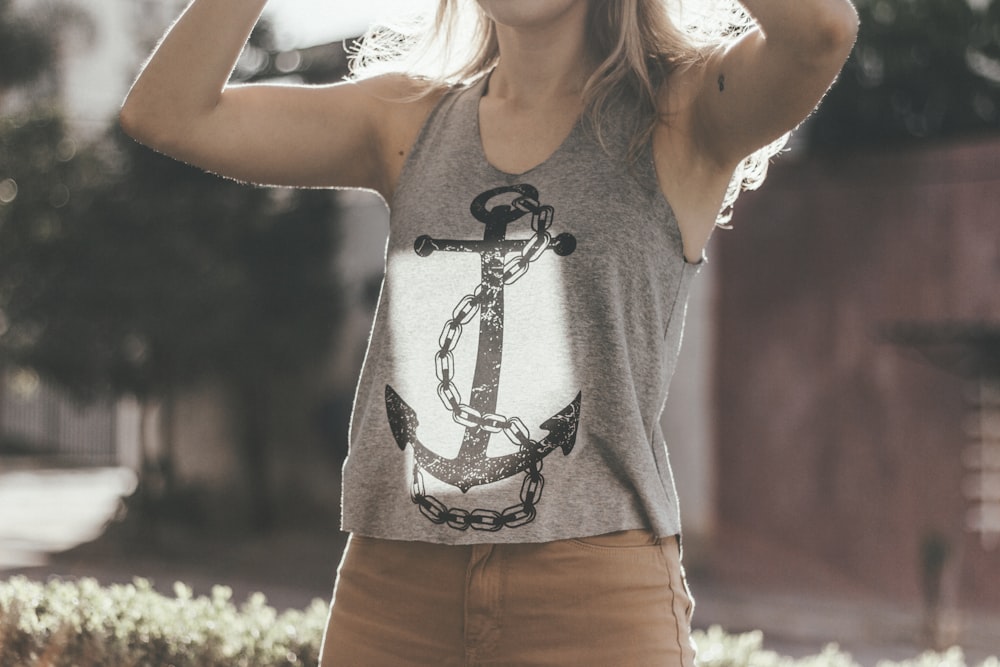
[722,82]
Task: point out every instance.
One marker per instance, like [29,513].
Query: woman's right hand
[351,134]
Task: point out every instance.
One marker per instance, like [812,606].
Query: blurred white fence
[37,420]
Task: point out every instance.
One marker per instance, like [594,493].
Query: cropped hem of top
[526,333]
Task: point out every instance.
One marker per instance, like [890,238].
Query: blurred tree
[123,272]
[30,37]
[27,50]
[921,69]
[29,42]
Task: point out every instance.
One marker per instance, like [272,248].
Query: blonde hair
[637,45]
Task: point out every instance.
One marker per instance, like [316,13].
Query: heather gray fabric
[566,362]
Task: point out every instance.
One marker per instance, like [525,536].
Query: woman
[551,189]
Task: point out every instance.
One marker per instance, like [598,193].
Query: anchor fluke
[402,418]
[467,471]
[562,427]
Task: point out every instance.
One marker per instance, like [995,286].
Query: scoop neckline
[478,93]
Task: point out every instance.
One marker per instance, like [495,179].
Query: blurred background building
[857,333]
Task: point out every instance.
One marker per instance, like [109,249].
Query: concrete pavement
[45,511]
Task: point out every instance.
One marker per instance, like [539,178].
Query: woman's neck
[542,64]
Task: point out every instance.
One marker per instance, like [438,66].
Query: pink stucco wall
[831,440]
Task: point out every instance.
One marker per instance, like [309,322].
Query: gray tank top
[526,333]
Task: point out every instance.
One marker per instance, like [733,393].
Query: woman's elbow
[135,121]
[837,30]
[145,124]
[129,121]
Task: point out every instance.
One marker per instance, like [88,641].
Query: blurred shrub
[81,624]
[717,648]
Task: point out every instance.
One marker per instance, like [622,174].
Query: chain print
[481,519]
[502,262]
[512,427]
[468,308]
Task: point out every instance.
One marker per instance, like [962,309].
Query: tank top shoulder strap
[453,119]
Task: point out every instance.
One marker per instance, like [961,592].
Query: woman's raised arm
[343,135]
[773,77]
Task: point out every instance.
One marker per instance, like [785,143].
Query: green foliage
[39,169]
[81,624]
[122,271]
[26,49]
[717,648]
[125,272]
[29,38]
[921,69]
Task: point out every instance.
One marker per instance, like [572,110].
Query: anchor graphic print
[503,262]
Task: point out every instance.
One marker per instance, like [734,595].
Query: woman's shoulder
[403,95]
[400,105]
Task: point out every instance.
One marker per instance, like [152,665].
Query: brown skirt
[617,599]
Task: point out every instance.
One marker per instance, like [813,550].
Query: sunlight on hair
[709,21]
[420,38]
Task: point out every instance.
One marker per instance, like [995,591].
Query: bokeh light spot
[8,190]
